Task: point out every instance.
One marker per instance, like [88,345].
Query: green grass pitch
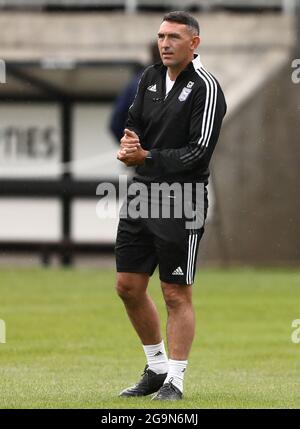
[69,343]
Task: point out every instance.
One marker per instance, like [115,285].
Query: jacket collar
[193,65]
[197,64]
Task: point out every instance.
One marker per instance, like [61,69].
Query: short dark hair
[183,17]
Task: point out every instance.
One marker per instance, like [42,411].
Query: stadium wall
[257,176]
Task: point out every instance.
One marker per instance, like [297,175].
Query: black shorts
[171,243]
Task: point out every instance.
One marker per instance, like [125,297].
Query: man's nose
[165,43]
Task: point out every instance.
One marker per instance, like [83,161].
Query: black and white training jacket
[181,130]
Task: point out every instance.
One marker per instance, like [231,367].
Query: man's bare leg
[141,310]
[181,319]
[180,335]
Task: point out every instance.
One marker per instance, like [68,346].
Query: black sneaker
[149,383]
[168,392]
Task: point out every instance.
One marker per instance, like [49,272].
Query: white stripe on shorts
[193,238]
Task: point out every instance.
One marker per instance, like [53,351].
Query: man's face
[176,43]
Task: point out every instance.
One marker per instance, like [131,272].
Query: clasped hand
[131,152]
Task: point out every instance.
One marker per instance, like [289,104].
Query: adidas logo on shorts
[178,272]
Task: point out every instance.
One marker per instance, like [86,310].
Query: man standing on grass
[172,129]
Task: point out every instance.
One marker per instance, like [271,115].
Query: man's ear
[195,42]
